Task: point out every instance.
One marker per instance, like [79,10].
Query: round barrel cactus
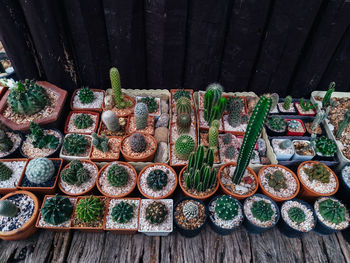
[57,210]
[138,142]
[117,175]
[8,209]
[184,145]
[156,213]
[157,179]
[123,212]
[40,170]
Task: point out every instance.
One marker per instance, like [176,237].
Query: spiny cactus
[123,212]
[227,138]
[156,213]
[226,207]
[141,115]
[184,145]
[100,142]
[117,175]
[5,142]
[89,209]
[138,142]
[8,209]
[253,131]
[151,103]
[262,210]
[307,105]
[343,124]
[318,172]
[120,102]
[214,104]
[234,107]
[110,119]
[56,210]
[287,102]
[86,95]
[285,144]
[40,140]
[40,170]
[230,152]
[183,123]
[75,144]
[76,165]
[277,123]
[5,172]
[157,179]
[213,137]
[83,121]
[293,124]
[190,209]
[325,146]
[326,101]
[69,176]
[182,93]
[277,181]
[296,214]
[332,210]
[183,105]
[320,117]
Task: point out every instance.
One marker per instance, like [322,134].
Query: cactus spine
[183,123]
[100,143]
[110,119]
[117,89]
[327,97]
[235,106]
[214,104]
[287,102]
[213,137]
[184,145]
[141,115]
[343,124]
[183,105]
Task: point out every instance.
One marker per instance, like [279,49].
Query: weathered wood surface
[240,247]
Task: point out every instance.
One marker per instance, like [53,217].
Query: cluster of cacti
[40,140]
[123,212]
[190,209]
[40,170]
[255,125]
[8,209]
[117,175]
[296,214]
[120,102]
[141,115]
[157,179]
[307,105]
[326,101]
[293,124]
[100,142]
[332,211]
[182,93]
[230,152]
[156,213]
[75,144]
[227,138]
[234,108]
[287,103]
[199,174]
[320,116]
[226,207]
[151,103]
[343,124]
[318,172]
[183,122]
[183,105]
[75,174]
[214,103]
[262,210]
[325,146]
[83,121]
[89,209]
[27,98]
[213,135]
[57,210]
[86,95]
[285,144]
[110,119]
[276,180]
[184,145]
[5,172]
[5,142]
[138,142]
[277,123]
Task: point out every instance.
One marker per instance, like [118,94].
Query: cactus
[325,146]
[235,106]
[253,131]
[318,172]
[277,181]
[307,105]
[117,176]
[285,144]
[70,176]
[287,102]
[40,170]
[83,121]
[5,142]
[86,95]
[117,89]
[76,165]
[184,145]
[320,117]
[213,138]
[190,210]
[156,213]
[56,210]
[181,93]
[326,101]
[40,140]
[141,115]
[183,105]
[293,124]
[226,207]
[8,209]
[5,172]
[75,144]
[274,97]
[110,119]
[138,142]
[262,210]
[151,103]
[157,179]
[100,142]
[123,212]
[297,215]
[230,152]
[89,209]
[183,123]
[343,124]
[332,211]
[214,104]
[277,123]
[227,138]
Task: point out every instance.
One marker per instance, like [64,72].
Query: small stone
[265,160]
[251,103]
[164,106]
[241,188]
[162,153]
[109,92]
[161,134]
[109,103]
[163,120]
[262,147]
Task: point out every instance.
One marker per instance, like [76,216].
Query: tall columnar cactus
[343,124]
[40,170]
[100,142]
[183,122]
[184,145]
[141,115]
[110,119]
[253,131]
[8,209]
[332,210]
[5,172]
[183,105]
[326,101]
[274,97]
[213,137]
[320,117]
[5,142]
[117,89]
[287,102]
[214,104]
[57,210]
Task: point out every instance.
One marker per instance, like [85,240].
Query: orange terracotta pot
[28,228]
[104,168]
[86,112]
[144,131]
[81,193]
[148,158]
[204,197]
[10,190]
[123,112]
[273,197]
[88,109]
[237,196]
[105,159]
[161,197]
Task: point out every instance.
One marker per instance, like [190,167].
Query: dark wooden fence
[286,46]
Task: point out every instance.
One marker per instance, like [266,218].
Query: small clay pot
[82,112]
[147,158]
[87,109]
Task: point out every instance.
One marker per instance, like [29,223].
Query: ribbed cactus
[110,119]
[40,170]
[332,210]
[214,104]
[5,172]
[89,209]
[100,142]
[117,89]
[262,210]
[184,145]
[255,125]
[75,144]
[156,213]
[123,212]
[285,144]
[8,209]
[183,122]
[117,175]
[226,207]
[227,138]
[343,124]
[296,214]
[138,142]
[141,115]
[86,95]
[287,103]
[83,121]
[234,107]
[57,210]
[320,117]
[157,179]
[326,101]
[5,142]
[190,210]
[182,93]
[213,138]
[183,105]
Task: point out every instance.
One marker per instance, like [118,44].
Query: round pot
[273,197]
[204,197]
[169,194]
[29,227]
[122,114]
[344,189]
[239,197]
[16,151]
[148,158]
[218,229]
[88,109]
[190,232]
[100,174]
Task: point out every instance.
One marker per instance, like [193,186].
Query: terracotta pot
[161,197]
[104,168]
[304,114]
[88,109]
[121,133]
[292,133]
[10,190]
[42,190]
[86,112]
[204,197]
[75,157]
[105,159]
[122,231]
[28,228]
[124,112]
[237,196]
[148,158]
[308,193]
[58,107]
[150,132]
[81,193]
[276,198]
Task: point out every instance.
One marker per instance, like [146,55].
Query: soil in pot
[174,135]
[125,111]
[16,142]
[82,122]
[153,104]
[291,109]
[11,174]
[302,149]
[149,128]
[133,147]
[112,153]
[96,103]
[318,129]
[123,121]
[228,147]
[283,150]
[89,212]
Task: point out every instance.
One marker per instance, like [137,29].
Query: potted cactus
[342,126]
[76,147]
[228,145]
[138,147]
[156,217]
[11,170]
[304,150]
[225,214]
[105,148]
[325,148]
[122,216]
[141,121]
[117,179]
[276,126]
[10,142]
[181,150]
[332,215]
[153,104]
[283,148]
[87,99]
[295,127]
[305,108]
[112,125]
[287,106]
[18,211]
[78,177]
[236,120]
[41,175]
[56,212]
[41,142]
[82,122]
[314,127]
[178,93]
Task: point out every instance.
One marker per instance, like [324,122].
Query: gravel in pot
[11,170]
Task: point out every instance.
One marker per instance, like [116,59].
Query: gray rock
[163,120]
[161,134]
[164,106]
[162,153]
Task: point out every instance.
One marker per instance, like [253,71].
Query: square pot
[104,157]
[7,189]
[95,117]
[293,133]
[282,156]
[302,158]
[302,113]
[71,157]
[99,93]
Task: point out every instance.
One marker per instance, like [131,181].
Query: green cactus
[183,123]
[151,103]
[123,212]
[326,101]
[138,142]
[76,165]
[75,144]
[277,123]
[296,214]
[83,121]
[5,142]
[141,115]
[227,138]
[5,172]
[56,210]
[40,140]
[181,93]
[213,138]
[157,179]
[253,131]
[190,209]
[285,144]
[293,124]
[277,181]
[226,207]
[318,172]
[320,117]
[156,213]
[100,142]
[184,145]
[89,209]
[120,102]
[262,210]
[307,105]
[183,105]
[86,95]
[214,104]
[69,176]
[40,170]
[117,176]
[110,119]
[8,209]
[287,102]
[325,146]
[234,107]
[332,210]
[343,124]
[230,152]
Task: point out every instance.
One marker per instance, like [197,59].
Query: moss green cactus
[8,209]
[120,102]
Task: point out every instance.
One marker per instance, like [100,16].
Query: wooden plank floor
[271,246]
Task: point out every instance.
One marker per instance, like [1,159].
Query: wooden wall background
[290,47]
